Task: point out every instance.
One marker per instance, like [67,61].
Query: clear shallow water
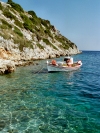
[35,101]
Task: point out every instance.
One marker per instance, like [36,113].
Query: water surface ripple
[35,101]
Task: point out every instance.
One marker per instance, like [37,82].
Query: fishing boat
[66,65]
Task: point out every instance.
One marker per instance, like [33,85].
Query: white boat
[56,66]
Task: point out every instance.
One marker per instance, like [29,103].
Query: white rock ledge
[6,66]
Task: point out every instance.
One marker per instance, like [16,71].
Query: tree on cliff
[16,6]
[9,1]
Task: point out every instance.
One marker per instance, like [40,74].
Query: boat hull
[52,68]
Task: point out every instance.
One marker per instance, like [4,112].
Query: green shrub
[32,13]
[3,26]
[18,23]
[16,6]
[65,42]
[38,37]
[11,9]
[6,37]
[27,22]
[66,46]
[8,14]
[59,39]
[27,26]
[22,42]
[25,43]
[44,22]
[54,47]
[40,46]
[6,24]
[16,30]
[72,45]
[1,7]
[37,29]
[48,43]
[47,31]
[9,1]
[34,21]
[24,17]
[5,34]
[53,28]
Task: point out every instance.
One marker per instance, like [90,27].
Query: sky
[77,20]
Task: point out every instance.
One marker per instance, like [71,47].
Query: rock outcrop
[6,66]
[25,37]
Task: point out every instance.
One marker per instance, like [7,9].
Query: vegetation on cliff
[17,21]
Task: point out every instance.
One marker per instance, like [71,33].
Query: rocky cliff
[25,37]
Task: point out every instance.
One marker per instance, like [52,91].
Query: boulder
[6,66]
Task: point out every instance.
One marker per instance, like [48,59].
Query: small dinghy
[66,65]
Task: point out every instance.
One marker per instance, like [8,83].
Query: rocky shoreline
[25,37]
[11,56]
[8,62]
[8,66]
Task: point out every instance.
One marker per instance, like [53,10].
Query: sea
[35,101]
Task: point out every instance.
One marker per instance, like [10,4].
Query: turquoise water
[35,101]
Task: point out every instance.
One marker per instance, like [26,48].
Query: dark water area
[35,101]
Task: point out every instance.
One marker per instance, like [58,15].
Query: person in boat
[69,62]
[53,62]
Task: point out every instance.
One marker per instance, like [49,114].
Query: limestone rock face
[6,66]
[74,50]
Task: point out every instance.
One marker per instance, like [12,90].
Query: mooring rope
[38,71]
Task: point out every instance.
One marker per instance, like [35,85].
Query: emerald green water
[35,101]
